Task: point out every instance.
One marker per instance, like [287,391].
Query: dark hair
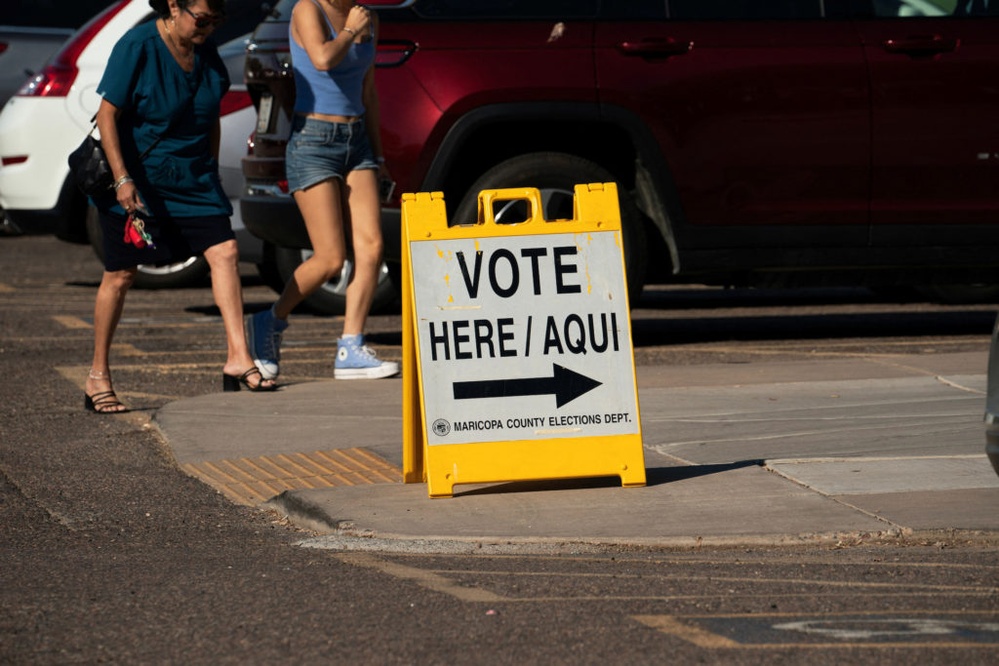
[162,7]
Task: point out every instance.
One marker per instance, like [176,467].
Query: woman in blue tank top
[333,166]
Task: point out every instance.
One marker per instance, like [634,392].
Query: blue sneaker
[263,336]
[356,361]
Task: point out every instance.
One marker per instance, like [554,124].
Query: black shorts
[176,239]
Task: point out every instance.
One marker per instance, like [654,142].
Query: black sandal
[234,383]
[104,402]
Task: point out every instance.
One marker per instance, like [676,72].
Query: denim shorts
[319,150]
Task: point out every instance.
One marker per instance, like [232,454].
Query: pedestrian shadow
[654,476]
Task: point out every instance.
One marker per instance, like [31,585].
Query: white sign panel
[524,337]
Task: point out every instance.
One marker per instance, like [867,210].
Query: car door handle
[921,45]
[656,48]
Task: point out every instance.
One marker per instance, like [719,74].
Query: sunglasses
[205,20]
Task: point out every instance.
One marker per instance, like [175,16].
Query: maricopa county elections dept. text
[538,422]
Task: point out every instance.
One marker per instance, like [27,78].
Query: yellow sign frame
[442,466]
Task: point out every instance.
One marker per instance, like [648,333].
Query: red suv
[754,142]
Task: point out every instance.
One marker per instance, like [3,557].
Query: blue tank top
[337,91]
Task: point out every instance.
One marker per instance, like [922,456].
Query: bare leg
[108,307]
[321,207]
[223,259]
[366,234]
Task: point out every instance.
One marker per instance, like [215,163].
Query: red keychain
[136,234]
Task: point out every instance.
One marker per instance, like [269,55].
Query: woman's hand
[128,197]
[358,20]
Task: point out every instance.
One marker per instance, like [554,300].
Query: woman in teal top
[173,113]
[159,126]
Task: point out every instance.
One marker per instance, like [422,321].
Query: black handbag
[89,167]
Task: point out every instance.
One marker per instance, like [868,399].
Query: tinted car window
[742,10]
[635,10]
[972,7]
[507,9]
[50,13]
[282,10]
[241,17]
[918,8]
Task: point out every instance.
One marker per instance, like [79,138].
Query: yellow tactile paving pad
[253,481]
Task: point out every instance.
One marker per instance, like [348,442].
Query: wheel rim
[556,204]
[168,269]
[338,285]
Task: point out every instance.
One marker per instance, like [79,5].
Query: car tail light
[235,100]
[53,81]
[3,46]
[283,185]
[15,159]
[56,79]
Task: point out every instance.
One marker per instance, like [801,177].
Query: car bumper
[35,140]
[34,189]
[251,248]
[58,220]
[34,221]
[276,219]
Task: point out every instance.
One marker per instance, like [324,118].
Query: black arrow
[565,384]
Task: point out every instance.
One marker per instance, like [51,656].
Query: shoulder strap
[173,119]
[176,114]
[93,126]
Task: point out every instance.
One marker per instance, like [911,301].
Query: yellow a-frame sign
[517,355]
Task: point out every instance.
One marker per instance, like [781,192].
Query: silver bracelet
[353,33]
[121,181]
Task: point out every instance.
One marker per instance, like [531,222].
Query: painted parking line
[72,322]
[908,629]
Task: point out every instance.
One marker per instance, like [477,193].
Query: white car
[49,116]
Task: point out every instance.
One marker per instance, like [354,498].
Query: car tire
[191,272]
[268,271]
[556,175]
[331,298]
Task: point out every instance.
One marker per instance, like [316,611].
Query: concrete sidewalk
[762,453]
